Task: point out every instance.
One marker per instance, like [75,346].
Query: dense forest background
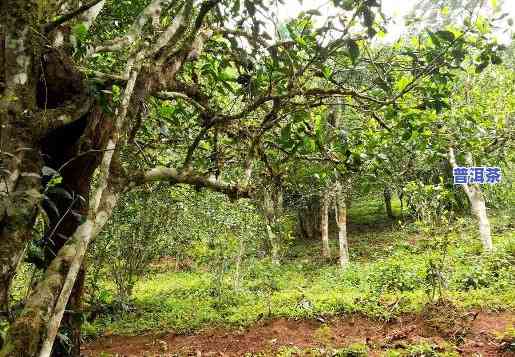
[186,177]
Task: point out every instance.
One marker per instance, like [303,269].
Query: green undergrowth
[422,349]
[395,270]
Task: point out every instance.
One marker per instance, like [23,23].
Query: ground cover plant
[394,279]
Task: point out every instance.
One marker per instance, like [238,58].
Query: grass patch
[390,275]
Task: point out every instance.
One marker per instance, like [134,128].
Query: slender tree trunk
[73,319]
[273,209]
[400,194]
[269,207]
[478,205]
[274,246]
[309,219]
[341,222]
[239,258]
[324,224]
[388,202]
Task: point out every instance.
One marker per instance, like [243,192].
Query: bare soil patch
[478,336]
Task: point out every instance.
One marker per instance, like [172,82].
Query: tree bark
[341,223]
[73,319]
[272,208]
[388,202]
[77,169]
[309,219]
[268,208]
[324,224]
[48,301]
[103,200]
[478,205]
[21,164]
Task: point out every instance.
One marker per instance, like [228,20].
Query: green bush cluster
[394,276]
[493,270]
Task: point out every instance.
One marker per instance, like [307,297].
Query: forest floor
[410,335]
[383,304]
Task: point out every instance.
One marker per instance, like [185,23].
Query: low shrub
[394,276]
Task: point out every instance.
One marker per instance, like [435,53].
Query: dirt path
[478,340]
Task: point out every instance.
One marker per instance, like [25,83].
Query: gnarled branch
[174,176]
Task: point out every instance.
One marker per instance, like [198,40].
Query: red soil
[479,340]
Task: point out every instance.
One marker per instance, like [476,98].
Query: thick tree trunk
[341,223]
[388,202]
[324,224]
[64,151]
[102,203]
[49,299]
[478,205]
[28,105]
[51,295]
[20,179]
[40,91]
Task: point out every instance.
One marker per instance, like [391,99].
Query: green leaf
[434,38]
[347,5]
[205,145]
[353,49]
[482,25]
[80,31]
[446,35]
[309,144]
[229,74]
[495,59]
[285,135]
[327,72]
[221,40]
[166,111]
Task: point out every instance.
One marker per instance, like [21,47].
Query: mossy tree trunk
[46,116]
[21,161]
